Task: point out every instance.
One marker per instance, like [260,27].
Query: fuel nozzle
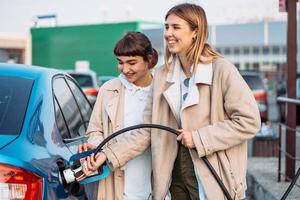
[72,177]
[67,177]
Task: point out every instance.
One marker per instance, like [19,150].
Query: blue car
[43,117]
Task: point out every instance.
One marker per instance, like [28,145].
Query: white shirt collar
[131,86]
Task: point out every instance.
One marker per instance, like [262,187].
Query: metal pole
[279,153]
[291,88]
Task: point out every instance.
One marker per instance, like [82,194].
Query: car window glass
[14,97]
[60,121]
[68,106]
[82,102]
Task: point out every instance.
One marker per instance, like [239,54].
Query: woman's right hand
[85,147]
[93,162]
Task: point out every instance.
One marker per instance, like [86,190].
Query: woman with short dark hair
[120,103]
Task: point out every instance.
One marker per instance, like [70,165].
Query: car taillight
[260,95]
[91,91]
[17,183]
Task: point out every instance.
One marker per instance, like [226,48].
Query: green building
[61,46]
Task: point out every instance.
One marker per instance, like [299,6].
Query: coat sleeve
[120,153]
[240,107]
[95,128]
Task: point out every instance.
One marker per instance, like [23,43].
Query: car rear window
[14,97]
[83,80]
[254,82]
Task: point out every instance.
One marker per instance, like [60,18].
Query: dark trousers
[184,184]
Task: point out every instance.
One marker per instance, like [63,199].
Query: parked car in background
[104,79]
[282,92]
[43,117]
[255,82]
[88,82]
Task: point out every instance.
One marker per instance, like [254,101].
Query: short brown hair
[136,44]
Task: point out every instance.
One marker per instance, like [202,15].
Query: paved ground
[262,171]
[262,180]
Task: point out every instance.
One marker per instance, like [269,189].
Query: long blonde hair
[200,51]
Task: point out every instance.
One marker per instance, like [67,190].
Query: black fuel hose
[171,130]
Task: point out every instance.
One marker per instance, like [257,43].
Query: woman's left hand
[186,138]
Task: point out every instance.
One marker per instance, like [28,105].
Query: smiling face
[135,69]
[178,35]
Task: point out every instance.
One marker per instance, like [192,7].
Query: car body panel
[6,139]
[39,144]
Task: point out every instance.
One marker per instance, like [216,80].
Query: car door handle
[68,140]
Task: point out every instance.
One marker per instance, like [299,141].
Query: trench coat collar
[202,75]
[116,85]
[172,93]
[114,107]
[203,72]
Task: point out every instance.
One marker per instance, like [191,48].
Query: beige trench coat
[222,119]
[107,118]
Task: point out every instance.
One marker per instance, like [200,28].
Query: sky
[17,16]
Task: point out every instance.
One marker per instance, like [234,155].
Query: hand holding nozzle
[90,164]
[85,147]
[93,162]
